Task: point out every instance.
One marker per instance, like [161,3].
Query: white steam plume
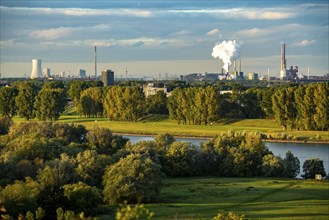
[227,51]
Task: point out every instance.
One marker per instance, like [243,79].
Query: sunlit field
[258,198]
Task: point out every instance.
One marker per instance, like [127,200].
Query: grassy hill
[258,198]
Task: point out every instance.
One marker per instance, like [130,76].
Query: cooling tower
[36,69]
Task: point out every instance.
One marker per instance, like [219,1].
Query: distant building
[36,69]
[62,75]
[82,73]
[108,78]
[151,89]
[253,76]
[46,73]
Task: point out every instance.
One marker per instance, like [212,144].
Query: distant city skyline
[152,38]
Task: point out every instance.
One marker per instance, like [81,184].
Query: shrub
[135,178]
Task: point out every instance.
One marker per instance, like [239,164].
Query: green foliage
[291,165]
[156,104]
[135,178]
[193,105]
[272,166]
[90,166]
[321,99]
[305,107]
[5,123]
[20,197]
[313,166]
[25,100]
[181,159]
[82,197]
[91,102]
[104,141]
[163,141]
[284,107]
[49,103]
[223,215]
[124,103]
[7,101]
[233,154]
[129,212]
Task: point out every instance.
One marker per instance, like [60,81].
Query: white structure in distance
[36,69]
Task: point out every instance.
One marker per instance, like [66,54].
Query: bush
[135,178]
[181,160]
[313,166]
[82,197]
[5,123]
[222,215]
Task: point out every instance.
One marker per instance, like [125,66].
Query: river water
[301,150]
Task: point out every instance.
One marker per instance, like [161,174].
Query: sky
[157,38]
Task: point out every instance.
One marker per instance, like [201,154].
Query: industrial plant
[227,51]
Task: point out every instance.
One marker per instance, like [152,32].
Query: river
[301,150]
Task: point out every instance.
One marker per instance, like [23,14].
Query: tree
[321,100]
[284,107]
[135,178]
[163,141]
[7,101]
[101,138]
[20,196]
[272,166]
[49,104]
[91,102]
[291,165]
[156,104]
[5,123]
[181,159]
[25,100]
[82,197]
[90,166]
[313,166]
[124,103]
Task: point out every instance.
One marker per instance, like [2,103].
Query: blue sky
[157,37]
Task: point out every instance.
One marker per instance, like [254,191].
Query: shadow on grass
[227,121]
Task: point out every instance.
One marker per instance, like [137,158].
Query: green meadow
[257,198]
[154,124]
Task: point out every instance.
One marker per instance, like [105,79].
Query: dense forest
[294,106]
[57,171]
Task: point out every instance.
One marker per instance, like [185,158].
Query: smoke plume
[227,51]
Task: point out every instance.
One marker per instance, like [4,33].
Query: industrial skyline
[150,38]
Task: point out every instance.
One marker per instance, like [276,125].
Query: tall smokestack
[239,66]
[283,71]
[283,56]
[95,59]
[234,63]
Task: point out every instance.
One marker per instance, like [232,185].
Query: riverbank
[271,131]
[208,138]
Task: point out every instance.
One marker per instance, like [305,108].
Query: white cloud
[82,11]
[143,41]
[212,32]
[304,43]
[254,32]
[52,33]
[241,13]
[63,32]
[266,15]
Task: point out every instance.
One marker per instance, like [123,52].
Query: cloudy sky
[152,38]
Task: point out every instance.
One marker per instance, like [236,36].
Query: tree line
[57,167]
[303,107]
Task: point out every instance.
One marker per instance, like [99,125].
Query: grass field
[257,198]
[154,124]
